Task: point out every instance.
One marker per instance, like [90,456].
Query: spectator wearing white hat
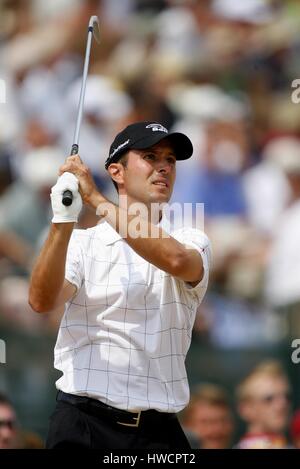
[222,151]
[248,11]
[266,181]
[283,269]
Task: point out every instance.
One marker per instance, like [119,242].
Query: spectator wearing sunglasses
[8,424]
[264,404]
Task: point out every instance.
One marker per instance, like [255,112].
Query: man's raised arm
[48,287]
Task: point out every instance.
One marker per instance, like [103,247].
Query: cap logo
[119,148]
[157,128]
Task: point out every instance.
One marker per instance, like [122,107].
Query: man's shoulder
[195,238]
[83,236]
[82,233]
[101,233]
[191,233]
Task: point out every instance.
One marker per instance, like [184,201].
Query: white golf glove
[61,213]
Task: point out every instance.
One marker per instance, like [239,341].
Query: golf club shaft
[67,195]
[83,87]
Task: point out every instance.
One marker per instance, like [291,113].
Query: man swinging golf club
[130,301]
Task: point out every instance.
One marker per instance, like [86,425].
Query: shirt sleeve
[197,240]
[74,271]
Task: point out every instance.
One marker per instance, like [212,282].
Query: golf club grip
[67,195]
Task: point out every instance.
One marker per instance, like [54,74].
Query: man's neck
[151,212]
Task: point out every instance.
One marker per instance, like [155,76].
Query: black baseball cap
[142,135]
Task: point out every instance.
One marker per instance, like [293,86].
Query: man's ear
[116,172]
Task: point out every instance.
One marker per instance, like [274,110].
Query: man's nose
[164,167]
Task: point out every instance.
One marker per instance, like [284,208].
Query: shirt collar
[107,234]
[110,236]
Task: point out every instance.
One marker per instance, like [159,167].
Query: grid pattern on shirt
[124,336]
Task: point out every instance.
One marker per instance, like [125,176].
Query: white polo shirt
[124,336]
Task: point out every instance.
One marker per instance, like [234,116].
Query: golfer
[130,291]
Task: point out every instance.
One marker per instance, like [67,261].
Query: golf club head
[94,26]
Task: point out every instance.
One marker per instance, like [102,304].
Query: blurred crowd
[263,403]
[221,71]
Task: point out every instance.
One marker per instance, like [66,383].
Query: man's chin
[160,198]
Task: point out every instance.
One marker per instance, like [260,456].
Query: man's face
[212,424]
[149,175]
[7,427]
[268,408]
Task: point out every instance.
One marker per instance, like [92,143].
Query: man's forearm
[154,245]
[49,271]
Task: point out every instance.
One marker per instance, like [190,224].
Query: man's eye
[149,156]
[172,160]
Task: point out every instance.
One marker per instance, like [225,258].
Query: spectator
[221,153]
[266,181]
[263,403]
[208,417]
[283,265]
[8,424]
